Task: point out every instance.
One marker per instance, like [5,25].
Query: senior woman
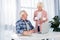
[40,16]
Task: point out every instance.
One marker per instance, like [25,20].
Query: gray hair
[22,13]
[40,4]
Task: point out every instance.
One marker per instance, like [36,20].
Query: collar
[23,20]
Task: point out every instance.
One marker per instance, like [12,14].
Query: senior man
[24,26]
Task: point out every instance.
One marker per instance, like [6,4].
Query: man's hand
[28,32]
[31,31]
[25,33]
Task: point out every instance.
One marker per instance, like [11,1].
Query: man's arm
[19,30]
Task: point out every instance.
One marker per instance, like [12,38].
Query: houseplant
[55,24]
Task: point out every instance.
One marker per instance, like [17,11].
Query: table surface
[34,36]
[43,36]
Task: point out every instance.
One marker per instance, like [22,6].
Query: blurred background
[10,9]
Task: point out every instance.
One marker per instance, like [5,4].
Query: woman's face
[39,7]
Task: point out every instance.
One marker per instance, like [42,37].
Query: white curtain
[50,9]
[7,16]
[8,12]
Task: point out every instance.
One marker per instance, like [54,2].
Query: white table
[8,35]
[36,36]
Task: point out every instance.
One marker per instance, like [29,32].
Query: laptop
[45,27]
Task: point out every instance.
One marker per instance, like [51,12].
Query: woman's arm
[45,17]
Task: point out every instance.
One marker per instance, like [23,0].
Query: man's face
[24,15]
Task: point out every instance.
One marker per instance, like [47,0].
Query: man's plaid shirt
[21,26]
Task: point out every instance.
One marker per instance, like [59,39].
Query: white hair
[21,13]
[40,4]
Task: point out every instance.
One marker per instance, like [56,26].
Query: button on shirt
[23,25]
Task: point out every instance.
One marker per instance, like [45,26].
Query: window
[31,5]
[57,7]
